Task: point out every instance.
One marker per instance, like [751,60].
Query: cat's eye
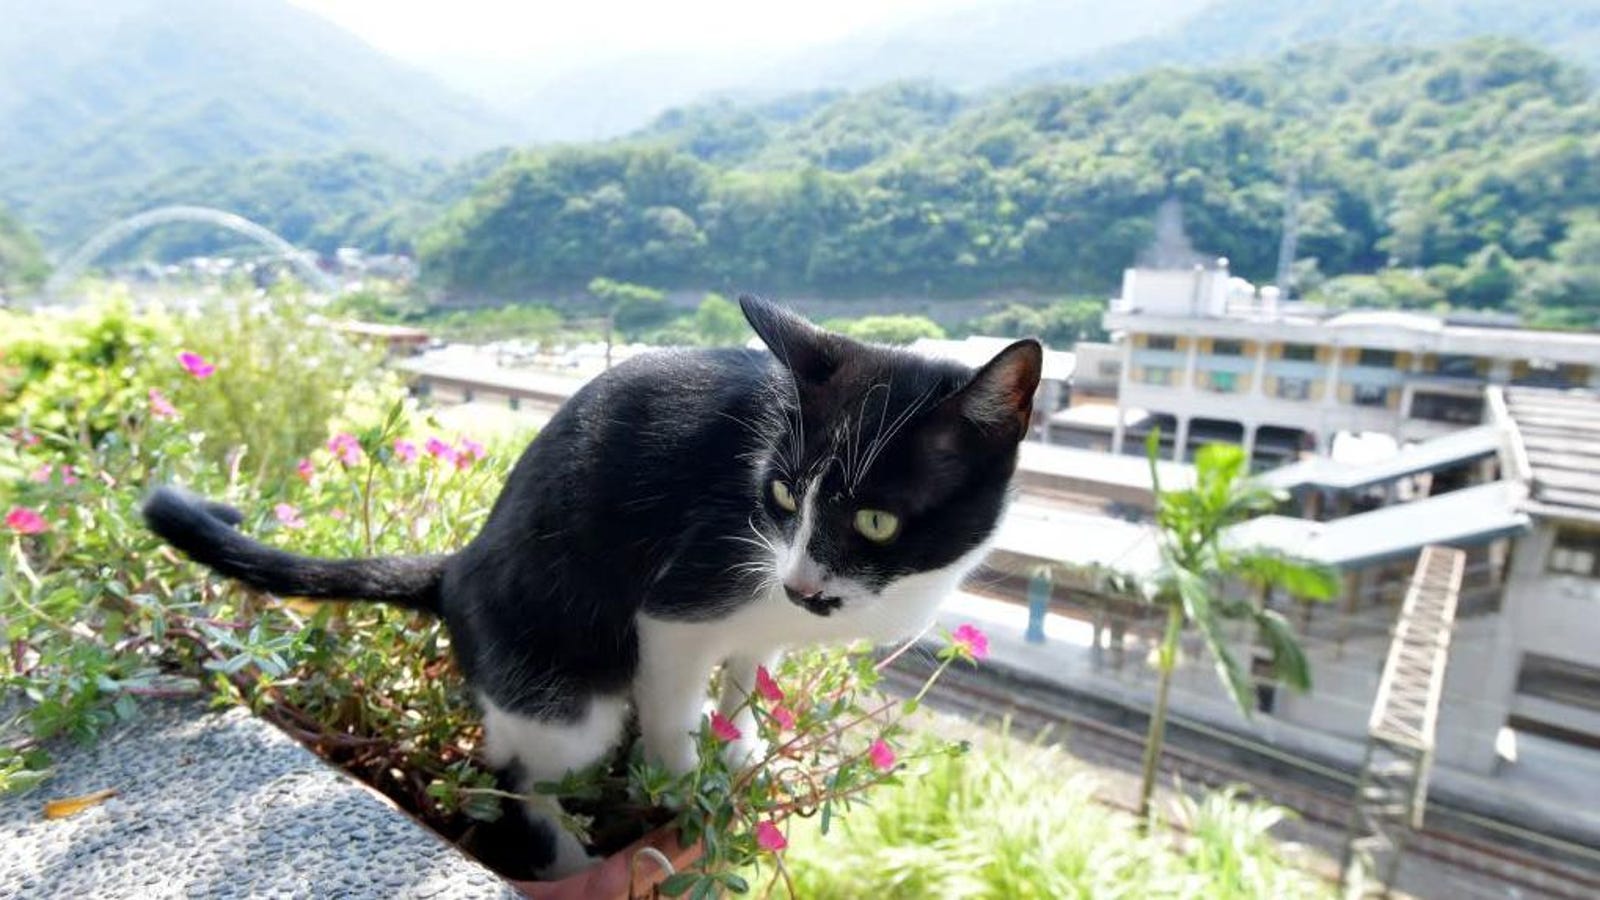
[876,525]
[784,496]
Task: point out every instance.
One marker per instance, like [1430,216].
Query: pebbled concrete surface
[220,804]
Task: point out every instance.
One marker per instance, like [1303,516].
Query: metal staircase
[1393,790]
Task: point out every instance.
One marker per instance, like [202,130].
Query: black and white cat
[687,510]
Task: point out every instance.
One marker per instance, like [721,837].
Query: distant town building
[397,340]
[1208,357]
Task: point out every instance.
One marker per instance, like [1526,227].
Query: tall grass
[1010,820]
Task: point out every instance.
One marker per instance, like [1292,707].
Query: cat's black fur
[648,493]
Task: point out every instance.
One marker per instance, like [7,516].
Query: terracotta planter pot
[630,874]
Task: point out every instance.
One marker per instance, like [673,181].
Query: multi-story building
[1208,357]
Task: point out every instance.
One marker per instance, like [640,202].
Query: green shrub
[1009,820]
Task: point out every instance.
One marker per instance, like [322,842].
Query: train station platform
[1549,788]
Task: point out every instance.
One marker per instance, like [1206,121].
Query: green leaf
[1299,577]
[735,883]
[1197,606]
[1288,660]
[676,885]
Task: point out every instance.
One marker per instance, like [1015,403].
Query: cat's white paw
[745,751]
[678,756]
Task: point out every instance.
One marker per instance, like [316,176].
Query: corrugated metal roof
[1468,517]
[1426,456]
[1560,432]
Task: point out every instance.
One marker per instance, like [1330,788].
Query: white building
[1208,357]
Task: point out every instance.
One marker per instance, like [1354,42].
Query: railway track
[1505,859]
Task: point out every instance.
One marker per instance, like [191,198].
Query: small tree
[718,322]
[1196,565]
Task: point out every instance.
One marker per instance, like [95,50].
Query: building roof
[382,330]
[1099,416]
[1426,456]
[1093,467]
[978,349]
[480,371]
[1412,332]
[1467,517]
[1559,435]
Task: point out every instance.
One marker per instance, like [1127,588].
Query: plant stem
[1165,663]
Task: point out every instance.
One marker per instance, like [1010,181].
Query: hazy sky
[422,29]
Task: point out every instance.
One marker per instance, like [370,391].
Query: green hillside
[96,99]
[1458,165]
[1231,31]
[22,263]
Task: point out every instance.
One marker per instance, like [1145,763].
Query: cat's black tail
[202,530]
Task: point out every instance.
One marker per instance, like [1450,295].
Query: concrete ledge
[220,804]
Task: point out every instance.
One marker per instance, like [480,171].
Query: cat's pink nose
[799,591]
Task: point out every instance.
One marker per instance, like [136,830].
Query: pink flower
[472,448]
[196,365]
[43,473]
[766,687]
[882,755]
[288,516]
[972,640]
[722,728]
[25,437]
[405,451]
[345,448]
[338,514]
[440,450]
[25,521]
[768,837]
[161,407]
[305,469]
[783,717]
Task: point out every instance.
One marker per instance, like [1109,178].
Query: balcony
[1293,368]
[1371,376]
[1169,359]
[1238,365]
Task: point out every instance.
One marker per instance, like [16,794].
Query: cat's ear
[809,352]
[999,398]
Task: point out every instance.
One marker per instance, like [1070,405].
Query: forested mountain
[22,263]
[1463,164]
[96,98]
[320,203]
[1227,31]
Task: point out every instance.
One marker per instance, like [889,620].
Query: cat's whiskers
[876,447]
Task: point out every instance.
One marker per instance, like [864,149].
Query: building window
[1110,368]
[1559,681]
[1543,373]
[1227,348]
[1377,359]
[1576,553]
[1368,395]
[1455,365]
[1294,389]
[1450,408]
[1160,342]
[1300,352]
[1223,382]
[1158,375]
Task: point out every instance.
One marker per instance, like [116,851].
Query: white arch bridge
[76,264]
